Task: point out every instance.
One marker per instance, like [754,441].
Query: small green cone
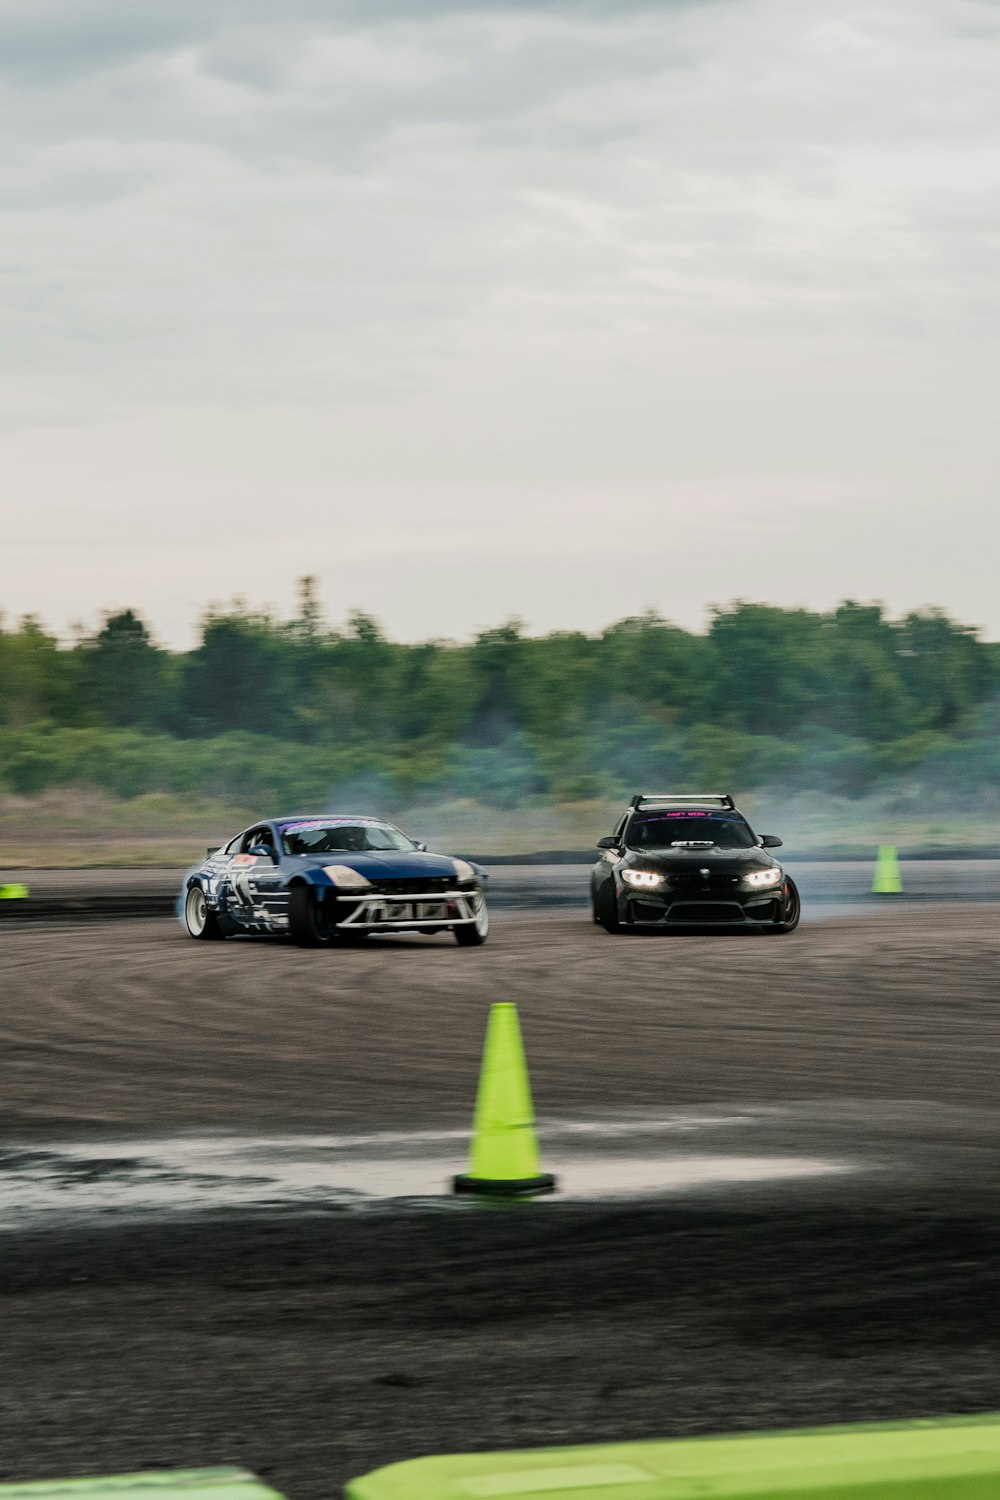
[888,880]
[503,1157]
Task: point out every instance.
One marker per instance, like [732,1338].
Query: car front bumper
[687,908]
[415,911]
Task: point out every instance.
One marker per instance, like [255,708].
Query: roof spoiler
[642,798]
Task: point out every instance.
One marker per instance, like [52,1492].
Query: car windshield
[658,830]
[329,835]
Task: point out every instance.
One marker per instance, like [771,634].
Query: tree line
[294,709]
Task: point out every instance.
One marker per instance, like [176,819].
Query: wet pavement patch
[193,1174]
[70,1168]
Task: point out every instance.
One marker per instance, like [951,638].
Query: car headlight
[464,871]
[346,878]
[642,877]
[761,878]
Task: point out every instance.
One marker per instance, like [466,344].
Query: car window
[659,830]
[381,836]
[258,836]
[320,836]
[233,847]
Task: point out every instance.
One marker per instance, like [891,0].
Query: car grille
[707,911]
[695,884]
[420,883]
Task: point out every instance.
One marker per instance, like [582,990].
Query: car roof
[673,808]
[333,819]
[314,817]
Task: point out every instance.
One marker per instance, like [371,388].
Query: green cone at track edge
[503,1157]
[888,881]
[14,892]
[956,1458]
[223,1483]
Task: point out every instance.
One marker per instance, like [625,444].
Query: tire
[199,921]
[606,908]
[794,911]
[475,934]
[305,923]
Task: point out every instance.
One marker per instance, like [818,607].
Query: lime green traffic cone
[887,880]
[503,1157]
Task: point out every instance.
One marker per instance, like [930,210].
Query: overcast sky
[561,310]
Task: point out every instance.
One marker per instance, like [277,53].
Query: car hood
[389,864]
[721,861]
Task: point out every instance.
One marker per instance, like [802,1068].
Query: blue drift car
[681,861]
[325,880]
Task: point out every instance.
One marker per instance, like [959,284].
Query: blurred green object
[888,880]
[503,1158]
[224,1483]
[13,892]
[956,1458]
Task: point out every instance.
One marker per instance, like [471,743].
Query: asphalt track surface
[315,1326]
[827,886]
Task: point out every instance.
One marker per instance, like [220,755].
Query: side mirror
[420,845]
[770,841]
[608,843]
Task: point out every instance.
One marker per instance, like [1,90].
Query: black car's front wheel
[199,921]
[792,911]
[606,908]
[307,920]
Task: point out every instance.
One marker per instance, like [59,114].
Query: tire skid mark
[131,1023]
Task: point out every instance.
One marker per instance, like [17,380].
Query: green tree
[38,681]
[239,676]
[655,669]
[868,696]
[946,670]
[497,660]
[772,666]
[123,674]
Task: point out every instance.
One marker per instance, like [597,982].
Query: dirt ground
[132,1026]
[315,1347]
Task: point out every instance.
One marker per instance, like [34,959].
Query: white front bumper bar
[469,905]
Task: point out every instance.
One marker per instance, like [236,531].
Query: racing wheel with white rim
[473,934]
[199,921]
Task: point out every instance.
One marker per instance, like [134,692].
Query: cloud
[49,41]
[622,249]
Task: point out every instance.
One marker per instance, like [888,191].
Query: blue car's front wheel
[473,934]
[308,922]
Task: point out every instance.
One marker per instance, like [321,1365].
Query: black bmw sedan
[681,861]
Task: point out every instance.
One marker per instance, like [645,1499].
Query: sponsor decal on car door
[257,889]
[241,883]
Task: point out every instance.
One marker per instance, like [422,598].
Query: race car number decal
[245,859]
